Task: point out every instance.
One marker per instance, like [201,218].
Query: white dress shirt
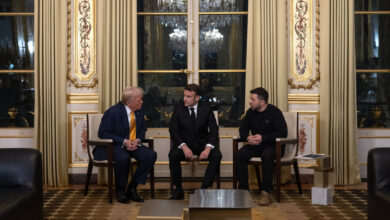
[196,114]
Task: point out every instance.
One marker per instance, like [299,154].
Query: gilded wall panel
[81,43]
[304,44]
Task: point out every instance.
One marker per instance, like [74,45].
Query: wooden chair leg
[131,170]
[278,174]
[297,176]
[110,183]
[234,176]
[151,176]
[89,173]
[257,169]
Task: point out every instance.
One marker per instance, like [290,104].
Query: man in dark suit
[124,123]
[194,131]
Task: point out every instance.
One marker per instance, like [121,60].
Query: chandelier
[204,5]
[217,5]
[209,22]
[172,5]
[178,40]
[209,41]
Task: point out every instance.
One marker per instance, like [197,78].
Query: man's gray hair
[130,92]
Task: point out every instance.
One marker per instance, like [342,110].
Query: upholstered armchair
[287,159]
[378,179]
[21,194]
[93,122]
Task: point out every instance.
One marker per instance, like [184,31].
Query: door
[195,41]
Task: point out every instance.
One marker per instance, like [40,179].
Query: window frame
[370,70]
[22,71]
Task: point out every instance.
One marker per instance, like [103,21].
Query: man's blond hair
[130,92]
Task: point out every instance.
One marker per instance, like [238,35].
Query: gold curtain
[266,61]
[50,90]
[116,28]
[116,57]
[338,89]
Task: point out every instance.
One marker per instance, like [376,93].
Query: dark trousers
[176,155]
[242,157]
[146,158]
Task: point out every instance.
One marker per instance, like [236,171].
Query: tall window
[17,63]
[194,41]
[372,35]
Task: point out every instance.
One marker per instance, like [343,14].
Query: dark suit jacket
[115,125]
[206,128]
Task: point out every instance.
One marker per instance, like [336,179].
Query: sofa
[378,183]
[21,194]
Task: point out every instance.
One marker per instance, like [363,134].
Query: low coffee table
[220,204]
[162,209]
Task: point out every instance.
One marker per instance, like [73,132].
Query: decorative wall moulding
[304,44]
[77,138]
[81,43]
[309,135]
[92,98]
[303,99]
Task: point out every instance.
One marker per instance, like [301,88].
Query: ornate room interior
[327,60]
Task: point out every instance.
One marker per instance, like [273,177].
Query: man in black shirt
[266,123]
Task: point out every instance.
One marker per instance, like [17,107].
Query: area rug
[72,204]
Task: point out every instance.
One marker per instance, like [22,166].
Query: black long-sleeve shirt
[270,124]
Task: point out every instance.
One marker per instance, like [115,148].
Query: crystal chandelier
[217,5]
[204,5]
[178,40]
[209,41]
[210,21]
[172,5]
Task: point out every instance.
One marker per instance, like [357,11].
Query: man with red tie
[124,123]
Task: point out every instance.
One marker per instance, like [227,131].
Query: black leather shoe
[177,195]
[122,197]
[133,195]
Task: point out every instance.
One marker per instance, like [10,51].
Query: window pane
[222,5]
[17,42]
[162,42]
[372,5]
[222,41]
[17,100]
[162,93]
[162,6]
[16,5]
[226,91]
[372,41]
[373,99]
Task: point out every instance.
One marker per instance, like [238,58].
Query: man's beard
[257,108]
